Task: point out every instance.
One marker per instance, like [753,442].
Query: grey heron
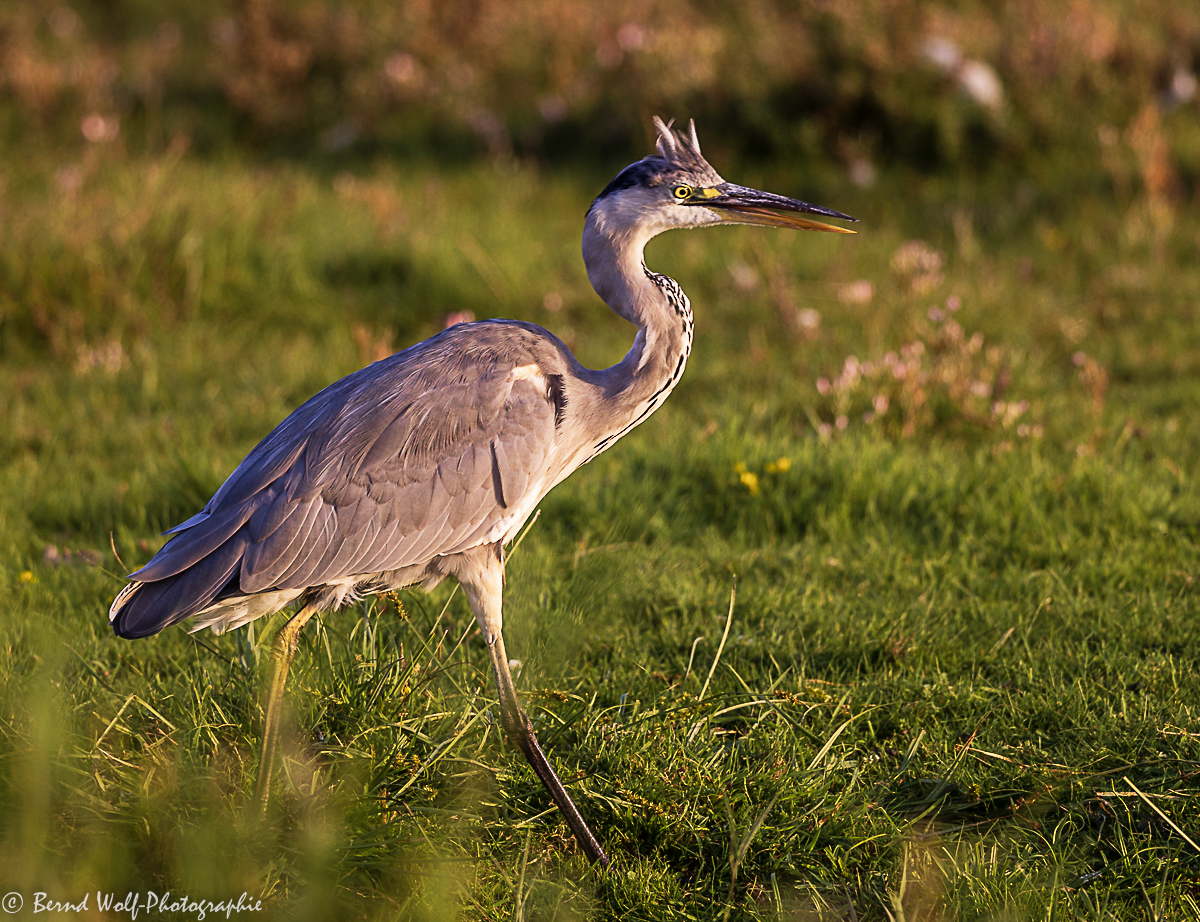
[425,464]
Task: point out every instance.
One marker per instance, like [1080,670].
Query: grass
[957,681]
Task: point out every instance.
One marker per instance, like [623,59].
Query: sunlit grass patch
[957,680]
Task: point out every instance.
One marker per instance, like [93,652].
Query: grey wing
[405,504]
[417,456]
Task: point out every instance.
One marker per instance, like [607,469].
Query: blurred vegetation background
[867,84]
[1021,112]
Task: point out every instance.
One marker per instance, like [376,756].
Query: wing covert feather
[392,466]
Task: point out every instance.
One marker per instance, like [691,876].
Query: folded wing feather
[416,456]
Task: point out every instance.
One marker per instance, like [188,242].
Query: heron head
[678,188]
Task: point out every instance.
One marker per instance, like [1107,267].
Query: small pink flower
[96,128]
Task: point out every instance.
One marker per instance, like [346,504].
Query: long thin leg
[480,571]
[519,729]
[282,654]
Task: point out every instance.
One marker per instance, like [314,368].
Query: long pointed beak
[740,205]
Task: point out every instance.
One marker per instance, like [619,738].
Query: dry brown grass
[859,80]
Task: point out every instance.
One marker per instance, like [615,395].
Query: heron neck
[656,304]
[616,268]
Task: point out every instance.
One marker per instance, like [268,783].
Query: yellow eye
[683,191]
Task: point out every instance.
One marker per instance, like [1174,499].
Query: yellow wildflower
[783,465]
[26,576]
[750,481]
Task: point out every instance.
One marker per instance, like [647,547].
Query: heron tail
[145,608]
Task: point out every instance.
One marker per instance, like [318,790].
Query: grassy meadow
[950,465]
